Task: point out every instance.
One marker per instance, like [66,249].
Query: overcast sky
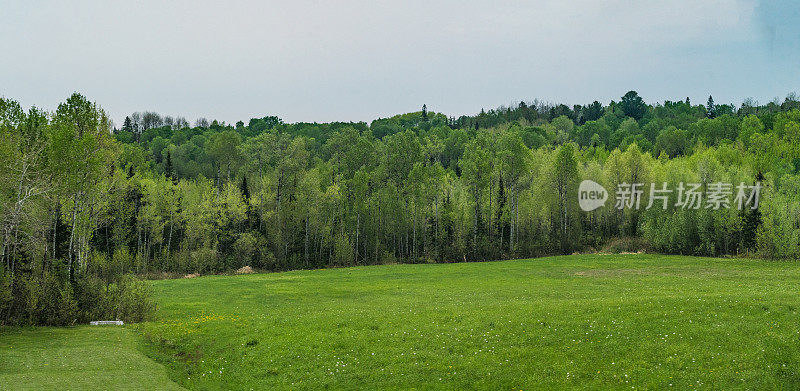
[359,60]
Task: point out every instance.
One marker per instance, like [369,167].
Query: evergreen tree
[751,222]
[168,166]
[591,112]
[711,109]
[244,188]
[127,126]
[633,105]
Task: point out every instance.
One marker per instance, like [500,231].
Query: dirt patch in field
[245,270]
[193,275]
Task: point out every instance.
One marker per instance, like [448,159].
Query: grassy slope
[577,321]
[86,357]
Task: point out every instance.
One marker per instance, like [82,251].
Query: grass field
[77,358]
[589,321]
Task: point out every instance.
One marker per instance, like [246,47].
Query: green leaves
[633,105]
[414,187]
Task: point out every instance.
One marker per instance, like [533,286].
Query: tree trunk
[72,236]
[305,244]
[358,227]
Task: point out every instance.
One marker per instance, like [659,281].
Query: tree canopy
[84,203]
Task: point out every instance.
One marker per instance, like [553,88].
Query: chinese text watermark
[715,196]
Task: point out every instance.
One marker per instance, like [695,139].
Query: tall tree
[711,109]
[564,180]
[633,105]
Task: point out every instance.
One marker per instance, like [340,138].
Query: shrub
[267,260]
[89,293]
[57,305]
[50,299]
[388,258]
[6,297]
[244,249]
[182,260]
[121,262]
[130,300]
[203,259]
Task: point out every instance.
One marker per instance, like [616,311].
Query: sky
[352,60]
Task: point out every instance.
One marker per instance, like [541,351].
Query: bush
[6,296]
[49,299]
[388,258]
[203,259]
[121,262]
[130,300]
[267,260]
[244,250]
[56,305]
[182,260]
[89,294]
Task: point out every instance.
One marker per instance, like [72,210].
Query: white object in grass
[106,322]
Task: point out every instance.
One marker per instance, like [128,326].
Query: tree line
[84,203]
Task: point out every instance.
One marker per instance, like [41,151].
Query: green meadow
[77,358]
[583,321]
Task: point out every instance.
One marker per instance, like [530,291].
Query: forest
[87,208]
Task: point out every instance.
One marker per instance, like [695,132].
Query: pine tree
[633,105]
[244,188]
[168,166]
[127,126]
[752,220]
[711,110]
[424,112]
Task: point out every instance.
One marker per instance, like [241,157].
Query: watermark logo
[715,196]
[591,195]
